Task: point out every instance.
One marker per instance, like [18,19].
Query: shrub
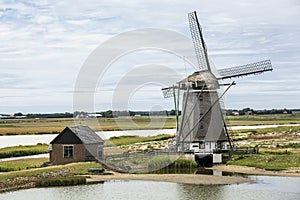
[66,181]
[159,162]
[183,163]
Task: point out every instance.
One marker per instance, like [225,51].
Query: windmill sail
[198,41]
[244,70]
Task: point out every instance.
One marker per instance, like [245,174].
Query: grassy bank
[280,137]
[80,168]
[48,176]
[250,120]
[269,160]
[28,178]
[126,140]
[15,165]
[27,150]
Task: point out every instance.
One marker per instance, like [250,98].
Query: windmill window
[201,126]
[201,145]
[193,85]
[68,151]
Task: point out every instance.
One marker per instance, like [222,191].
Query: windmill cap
[202,77]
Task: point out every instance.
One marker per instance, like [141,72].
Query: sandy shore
[174,178]
[197,179]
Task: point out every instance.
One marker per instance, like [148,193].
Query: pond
[267,187]
[15,140]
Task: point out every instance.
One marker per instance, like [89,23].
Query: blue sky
[45,43]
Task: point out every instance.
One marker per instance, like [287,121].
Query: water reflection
[199,170]
[199,192]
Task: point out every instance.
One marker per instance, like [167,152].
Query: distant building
[249,112]
[75,144]
[95,115]
[235,113]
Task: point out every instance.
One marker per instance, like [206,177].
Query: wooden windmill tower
[202,128]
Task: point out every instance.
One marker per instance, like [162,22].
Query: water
[16,140]
[266,188]
[44,155]
[260,126]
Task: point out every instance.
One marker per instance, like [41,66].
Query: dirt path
[174,178]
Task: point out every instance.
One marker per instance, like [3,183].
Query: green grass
[64,181]
[249,120]
[281,129]
[268,161]
[159,163]
[126,140]
[15,165]
[290,145]
[27,150]
[53,175]
[183,164]
[167,163]
[80,168]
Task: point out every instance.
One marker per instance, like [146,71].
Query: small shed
[76,144]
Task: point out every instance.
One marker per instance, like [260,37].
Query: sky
[44,45]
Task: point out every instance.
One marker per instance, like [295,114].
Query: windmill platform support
[207,159]
[204,160]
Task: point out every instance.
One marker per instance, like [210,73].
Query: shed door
[100,151]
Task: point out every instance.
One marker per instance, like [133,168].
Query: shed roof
[84,133]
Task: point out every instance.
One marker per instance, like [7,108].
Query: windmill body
[202,128]
[207,134]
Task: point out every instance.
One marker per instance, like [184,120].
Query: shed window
[68,151]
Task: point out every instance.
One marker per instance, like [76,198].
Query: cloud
[44,44]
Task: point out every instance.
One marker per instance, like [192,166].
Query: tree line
[112,114]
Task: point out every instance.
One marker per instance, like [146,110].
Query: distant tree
[173,112]
[107,114]
[18,114]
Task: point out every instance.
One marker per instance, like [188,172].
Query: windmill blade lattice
[198,41]
[244,70]
[168,92]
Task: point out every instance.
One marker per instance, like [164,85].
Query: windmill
[202,128]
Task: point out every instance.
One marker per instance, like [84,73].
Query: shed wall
[57,157]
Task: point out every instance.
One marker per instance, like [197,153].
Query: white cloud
[44,43]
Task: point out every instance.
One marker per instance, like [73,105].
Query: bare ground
[198,179]
[174,178]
